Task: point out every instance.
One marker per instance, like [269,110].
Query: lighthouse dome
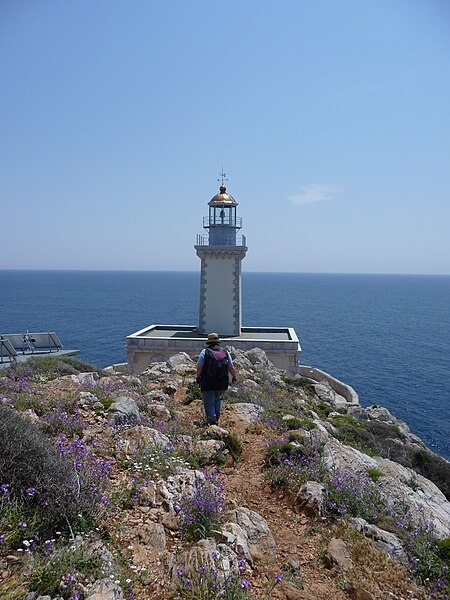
[222,197]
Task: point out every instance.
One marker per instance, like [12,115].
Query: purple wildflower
[67,581]
[203,510]
[245,583]
[5,490]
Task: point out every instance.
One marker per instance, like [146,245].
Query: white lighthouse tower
[221,252]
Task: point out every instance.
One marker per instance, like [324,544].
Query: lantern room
[222,221]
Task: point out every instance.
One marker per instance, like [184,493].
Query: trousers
[212,401]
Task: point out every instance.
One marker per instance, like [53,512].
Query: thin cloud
[314,192]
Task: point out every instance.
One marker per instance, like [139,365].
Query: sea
[388,336]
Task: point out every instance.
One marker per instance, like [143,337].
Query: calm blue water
[387,336]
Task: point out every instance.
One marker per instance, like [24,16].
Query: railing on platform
[222,240]
[217,221]
[7,352]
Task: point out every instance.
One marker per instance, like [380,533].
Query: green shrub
[288,465]
[57,367]
[371,437]
[374,474]
[45,487]
[433,467]
[299,423]
[64,572]
[276,453]
[444,550]
[234,445]
[323,409]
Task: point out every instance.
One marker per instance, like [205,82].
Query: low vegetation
[59,485]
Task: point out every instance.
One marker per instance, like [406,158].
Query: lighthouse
[221,251]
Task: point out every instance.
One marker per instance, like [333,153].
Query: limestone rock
[31,416]
[240,359]
[170,521]
[249,383]
[104,589]
[159,411]
[250,413]
[88,399]
[132,379]
[337,555]
[157,396]
[186,443]
[345,457]
[155,371]
[125,410]
[134,440]
[210,450]
[309,499]
[182,482]
[420,496]
[156,537]
[385,540]
[325,392]
[87,379]
[180,395]
[111,381]
[244,374]
[237,539]
[258,358]
[206,553]
[147,495]
[181,359]
[101,551]
[170,387]
[256,528]
[217,433]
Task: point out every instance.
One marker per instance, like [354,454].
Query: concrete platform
[159,342]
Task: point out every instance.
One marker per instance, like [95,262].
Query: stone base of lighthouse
[157,343]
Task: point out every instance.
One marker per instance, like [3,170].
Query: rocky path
[298,540]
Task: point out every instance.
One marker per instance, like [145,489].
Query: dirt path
[296,537]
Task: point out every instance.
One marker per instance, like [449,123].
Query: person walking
[213,369]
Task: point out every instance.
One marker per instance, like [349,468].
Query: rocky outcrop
[206,554]
[386,541]
[309,499]
[104,589]
[250,413]
[133,441]
[337,555]
[125,410]
[260,539]
[403,487]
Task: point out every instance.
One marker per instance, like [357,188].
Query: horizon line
[100,270]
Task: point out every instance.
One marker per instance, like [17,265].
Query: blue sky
[331,119]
